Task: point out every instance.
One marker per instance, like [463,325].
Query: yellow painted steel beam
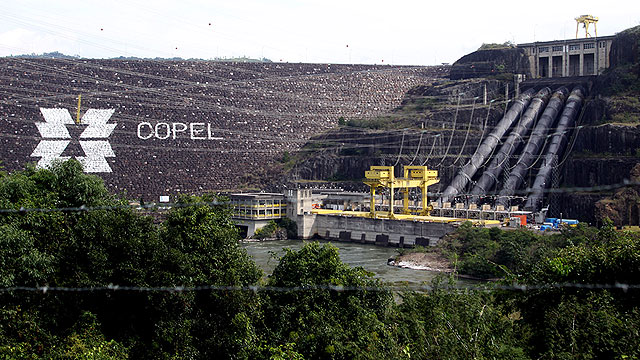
[414,177]
[403,217]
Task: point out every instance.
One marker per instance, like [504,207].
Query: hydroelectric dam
[158,129]
[508,175]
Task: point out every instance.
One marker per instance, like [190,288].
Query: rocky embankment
[441,122]
[490,62]
[431,261]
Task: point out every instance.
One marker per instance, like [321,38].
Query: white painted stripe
[97,121]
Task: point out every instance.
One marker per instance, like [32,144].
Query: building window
[544,49]
[574,47]
[589,46]
[556,48]
[603,44]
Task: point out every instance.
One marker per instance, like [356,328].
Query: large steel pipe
[516,138]
[555,148]
[534,146]
[484,150]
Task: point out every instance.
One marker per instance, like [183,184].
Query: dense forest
[83,275]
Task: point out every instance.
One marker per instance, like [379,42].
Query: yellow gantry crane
[414,177]
[585,20]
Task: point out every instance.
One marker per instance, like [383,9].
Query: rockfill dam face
[182,126]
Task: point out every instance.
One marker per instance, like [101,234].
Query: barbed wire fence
[336,288]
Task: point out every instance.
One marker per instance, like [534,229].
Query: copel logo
[56,137]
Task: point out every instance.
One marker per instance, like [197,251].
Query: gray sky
[324,31]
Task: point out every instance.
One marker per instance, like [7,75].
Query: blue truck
[556,223]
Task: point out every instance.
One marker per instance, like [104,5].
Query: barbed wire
[327,287]
[150,206]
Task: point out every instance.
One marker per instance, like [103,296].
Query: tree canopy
[125,285]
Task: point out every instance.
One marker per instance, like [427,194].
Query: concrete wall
[306,225]
[571,57]
[384,232]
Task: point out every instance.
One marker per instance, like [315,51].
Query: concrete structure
[473,212]
[299,209]
[300,201]
[566,58]
[254,210]
[344,200]
[354,226]
[385,232]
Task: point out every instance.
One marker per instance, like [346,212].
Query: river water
[370,257]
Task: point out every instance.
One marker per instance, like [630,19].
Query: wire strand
[338,288]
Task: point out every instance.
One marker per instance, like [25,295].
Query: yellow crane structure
[414,177]
[585,20]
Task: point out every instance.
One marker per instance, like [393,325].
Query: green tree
[87,342]
[586,319]
[200,248]
[331,311]
[449,324]
[109,243]
[283,228]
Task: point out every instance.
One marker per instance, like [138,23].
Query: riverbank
[431,261]
[370,257]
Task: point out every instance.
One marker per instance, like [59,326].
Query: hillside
[185,126]
[430,127]
[619,87]
[436,124]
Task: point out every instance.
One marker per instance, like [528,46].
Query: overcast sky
[324,31]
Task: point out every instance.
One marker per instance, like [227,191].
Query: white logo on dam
[56,137]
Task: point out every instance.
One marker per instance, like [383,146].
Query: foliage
[196,245]
[372,123]
[407,115]
[416,249]
[493,253]
[271,230]
[283,228]
[23,337]
[501,75]
[622,80]
[353,151]
[87,342]
[317,307]
[200,247]
[290,226]
[286,157]
[595,323]
[49,55]
[420,104]
[445,324]
[558,322]
[327,322]
[491,46]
